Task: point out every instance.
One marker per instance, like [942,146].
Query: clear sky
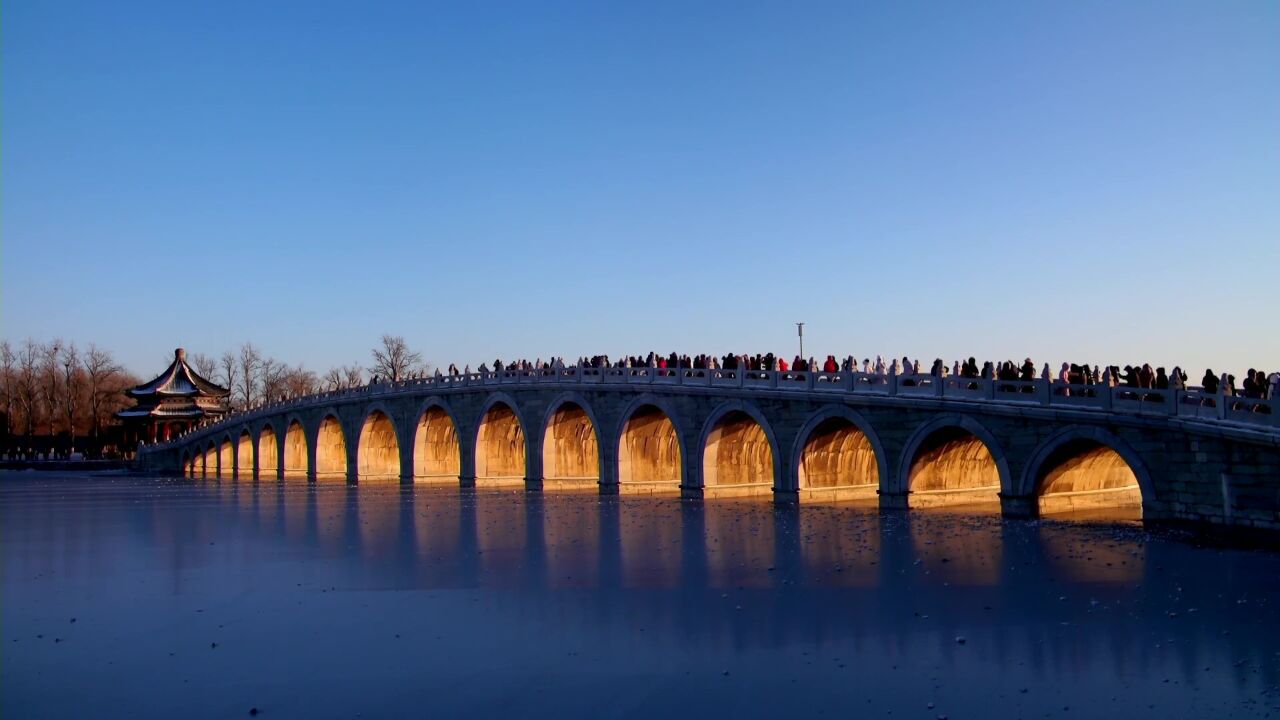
[1095,181]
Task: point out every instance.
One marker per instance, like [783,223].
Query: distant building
[175,401]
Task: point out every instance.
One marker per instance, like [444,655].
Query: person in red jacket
[830,365]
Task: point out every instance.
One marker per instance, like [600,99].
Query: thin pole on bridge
[800,332]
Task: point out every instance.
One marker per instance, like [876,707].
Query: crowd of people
[1257,384]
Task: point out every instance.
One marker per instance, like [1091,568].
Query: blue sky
[1091,181]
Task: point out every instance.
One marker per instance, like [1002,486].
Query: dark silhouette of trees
[394,360]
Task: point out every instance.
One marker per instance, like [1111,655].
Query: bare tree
[51,380]
[27,385]
[354,375]
[102,374]
[332,379]
[250,361]
[8,366]
[299,381]
[71,382]
[394,360]
[343,377]
[230,367]
[274,375]
[205,366]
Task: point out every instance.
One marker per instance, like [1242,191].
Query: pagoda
[177,400]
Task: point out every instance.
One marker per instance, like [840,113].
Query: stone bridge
[1025,448]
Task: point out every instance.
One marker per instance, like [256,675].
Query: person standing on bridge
[1209,382]
[1146,377]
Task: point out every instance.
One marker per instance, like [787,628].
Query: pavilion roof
[179,379]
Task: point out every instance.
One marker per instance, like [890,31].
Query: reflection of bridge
[1030,447]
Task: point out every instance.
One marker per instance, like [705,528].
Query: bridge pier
[1019,506]
[691,493]
[532,484]
[467,481]
[786,497]
[893,500]
[609,488]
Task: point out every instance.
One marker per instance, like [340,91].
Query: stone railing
[1191,403]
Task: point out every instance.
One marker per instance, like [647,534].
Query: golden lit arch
[649,458]
[268,452]
[570,447]
[952,467]
[331,449]
[436,453]
[500,446]
[737,457]
[378,451]
[838,462]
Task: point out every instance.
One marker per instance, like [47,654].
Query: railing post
[1220,401]
[989,389]
[939,386]
[893,385]
[1044,388]
[810,378]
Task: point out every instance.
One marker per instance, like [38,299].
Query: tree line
[55,388]
[255,379]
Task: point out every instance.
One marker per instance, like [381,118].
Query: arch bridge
[1024,448]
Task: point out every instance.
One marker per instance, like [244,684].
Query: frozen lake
[129,597]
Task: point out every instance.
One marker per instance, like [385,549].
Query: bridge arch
[226,457]
[739,451]
[501,445]
[1087,471]
[953,460]
[437,447]
[209,460]
[331,447]
[650,446]
[571,449]
[838,455]
[296,455]
[244,454]
[378,449]
[268,451]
